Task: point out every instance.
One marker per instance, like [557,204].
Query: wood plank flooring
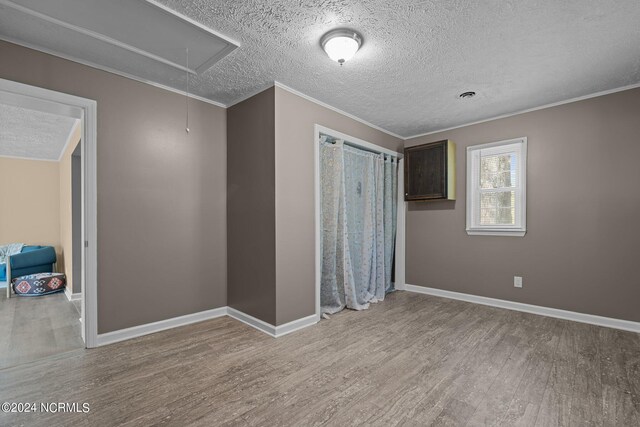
[35,327]
[412,360]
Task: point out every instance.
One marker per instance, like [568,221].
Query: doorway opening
[367,209]
[50,257]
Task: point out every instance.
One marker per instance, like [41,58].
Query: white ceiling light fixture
[341,44]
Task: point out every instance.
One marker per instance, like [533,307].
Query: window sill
[512,233]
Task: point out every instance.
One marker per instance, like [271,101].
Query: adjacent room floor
[35,327]
[412,360]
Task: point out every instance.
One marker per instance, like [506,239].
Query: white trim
[355,141]
[295,325]
[400,226]
[71,132]
[268,328]
[337,110]
[89,223]
[188,319]
[608,322]
[317,218]
[254,322]
[529,110]
[474,155]
[400,279]
[162,325]
[496,233]
[71,296]
[109,70]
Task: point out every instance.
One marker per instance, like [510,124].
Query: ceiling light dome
[341,44]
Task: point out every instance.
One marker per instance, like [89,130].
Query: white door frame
[400,233]
[85,110]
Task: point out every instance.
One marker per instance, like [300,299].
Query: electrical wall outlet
[517,281]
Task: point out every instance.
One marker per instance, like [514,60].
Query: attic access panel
[144,28]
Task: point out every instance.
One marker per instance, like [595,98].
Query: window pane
[498,171]
[498,208]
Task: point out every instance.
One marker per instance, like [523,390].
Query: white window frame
[518,145]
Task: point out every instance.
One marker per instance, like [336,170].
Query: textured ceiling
[33,134]
[419,55]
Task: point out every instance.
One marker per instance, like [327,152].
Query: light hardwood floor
[35,327]
[412,360]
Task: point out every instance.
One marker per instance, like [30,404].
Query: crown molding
[529,110]
[337,110]
[276,83]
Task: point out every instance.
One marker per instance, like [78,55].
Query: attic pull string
[187,99]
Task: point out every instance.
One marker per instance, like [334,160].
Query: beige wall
[580,252]
[161,193]
[65,259]
[29,201]
[36,200]
[295,210]
[251,267]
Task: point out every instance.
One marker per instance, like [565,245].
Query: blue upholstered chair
[32,260]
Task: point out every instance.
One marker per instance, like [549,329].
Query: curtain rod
[332,140]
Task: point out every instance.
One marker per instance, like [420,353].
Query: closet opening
[359,218]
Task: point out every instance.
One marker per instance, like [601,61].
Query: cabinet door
[426,171]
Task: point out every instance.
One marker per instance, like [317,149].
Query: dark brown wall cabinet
[430,171]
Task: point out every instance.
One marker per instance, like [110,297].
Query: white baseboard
[150,328]
[260,325]
[71,296]
[625,325]
[295,325]
[268,328]
[162,325]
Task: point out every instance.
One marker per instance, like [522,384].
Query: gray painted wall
[251,196]
[162,202]
[295,210]
[580,252]
[161,193]
[270,201]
